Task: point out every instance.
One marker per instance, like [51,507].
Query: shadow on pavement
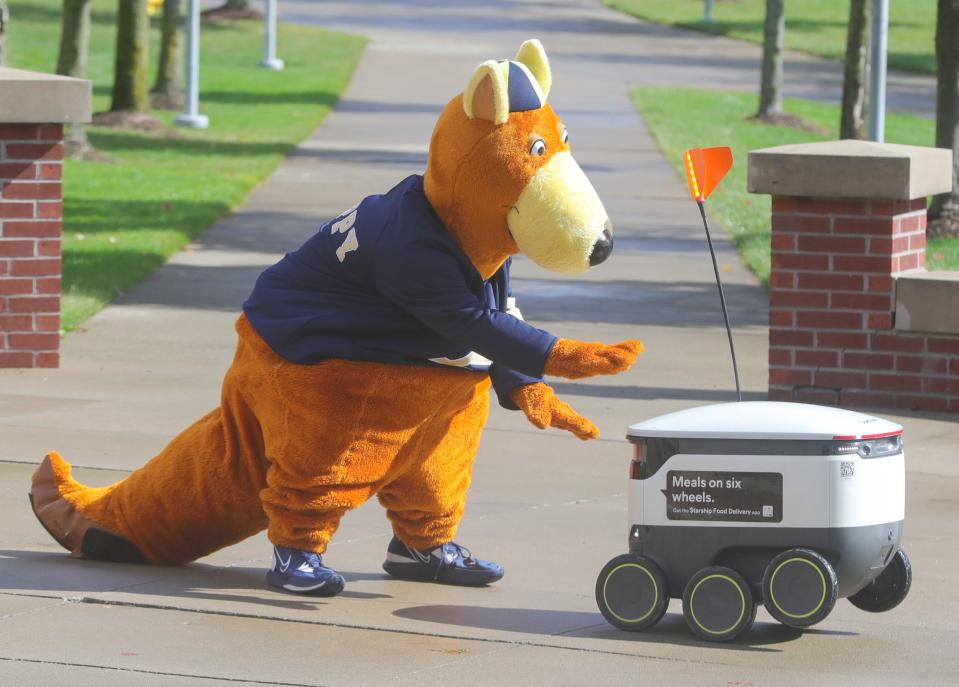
[655,303]
[450,18]
[384,107]
[33,571]
[413,161]
[654,393]
[671,630]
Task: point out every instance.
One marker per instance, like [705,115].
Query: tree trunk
[4,21]
[74,38]
[852,119]
[169,84]
[130,77]
[947,72]
[72,61]
[771,85]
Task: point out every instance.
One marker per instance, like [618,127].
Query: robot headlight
[870,447]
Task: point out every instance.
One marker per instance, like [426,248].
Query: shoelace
[459,552]
[313,559]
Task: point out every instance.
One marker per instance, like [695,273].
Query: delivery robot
[732,505]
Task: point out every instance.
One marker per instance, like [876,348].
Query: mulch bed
[135,121]
[790,120]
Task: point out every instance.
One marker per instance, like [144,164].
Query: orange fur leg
[425,503]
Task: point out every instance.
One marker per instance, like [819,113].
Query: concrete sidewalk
[550,508]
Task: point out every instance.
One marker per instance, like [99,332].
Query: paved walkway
[546,505]
[601,40]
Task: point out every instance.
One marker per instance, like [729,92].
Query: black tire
[800,588]
[888,589]
[631,592]
[718,605]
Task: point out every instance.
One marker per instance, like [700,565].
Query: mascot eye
[565,137]
[538,147]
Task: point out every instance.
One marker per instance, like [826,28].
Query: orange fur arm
[578,359]
[544,409]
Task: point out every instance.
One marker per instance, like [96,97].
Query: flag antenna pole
[722,298]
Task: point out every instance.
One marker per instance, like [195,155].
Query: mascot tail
[199,494]
[71,513]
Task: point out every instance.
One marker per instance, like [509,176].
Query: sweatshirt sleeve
[505,380]
[429,284]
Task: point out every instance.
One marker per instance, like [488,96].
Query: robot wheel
[886,591]
[718,604]
[631,592]
[800,587]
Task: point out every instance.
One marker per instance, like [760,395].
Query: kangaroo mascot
[365,359]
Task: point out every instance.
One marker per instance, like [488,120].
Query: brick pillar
[831,289]
[848,220]
[31,211]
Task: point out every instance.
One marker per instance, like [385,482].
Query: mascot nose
[603,246]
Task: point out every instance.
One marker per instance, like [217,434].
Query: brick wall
[31,210]
[832,302]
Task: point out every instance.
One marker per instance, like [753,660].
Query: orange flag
[705,168]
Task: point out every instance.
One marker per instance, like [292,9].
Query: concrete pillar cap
[36,98]
[851,169]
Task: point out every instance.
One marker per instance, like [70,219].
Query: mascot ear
[487,96]
[532,54]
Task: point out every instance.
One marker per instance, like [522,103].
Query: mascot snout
[560,222]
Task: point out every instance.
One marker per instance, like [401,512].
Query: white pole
[879,35]
[191,116]
[270,60]
[708,11]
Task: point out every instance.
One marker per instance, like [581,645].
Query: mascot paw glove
[578,359]
[544,409]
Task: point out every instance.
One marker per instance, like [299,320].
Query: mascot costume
[365,358]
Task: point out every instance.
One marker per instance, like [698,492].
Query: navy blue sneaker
[448,563]
[303,572]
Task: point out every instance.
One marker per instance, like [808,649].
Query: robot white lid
[765,420]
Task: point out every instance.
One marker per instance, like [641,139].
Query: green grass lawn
[812,26]
[686,118]
[123,220]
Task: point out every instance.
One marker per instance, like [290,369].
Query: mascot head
[502,178]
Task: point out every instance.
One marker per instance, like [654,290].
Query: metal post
[878,37]
[708,11]
[270,60]
[191,116]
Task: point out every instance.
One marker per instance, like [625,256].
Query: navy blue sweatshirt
[385,282]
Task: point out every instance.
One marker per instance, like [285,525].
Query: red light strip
[853,437]
[884,434]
